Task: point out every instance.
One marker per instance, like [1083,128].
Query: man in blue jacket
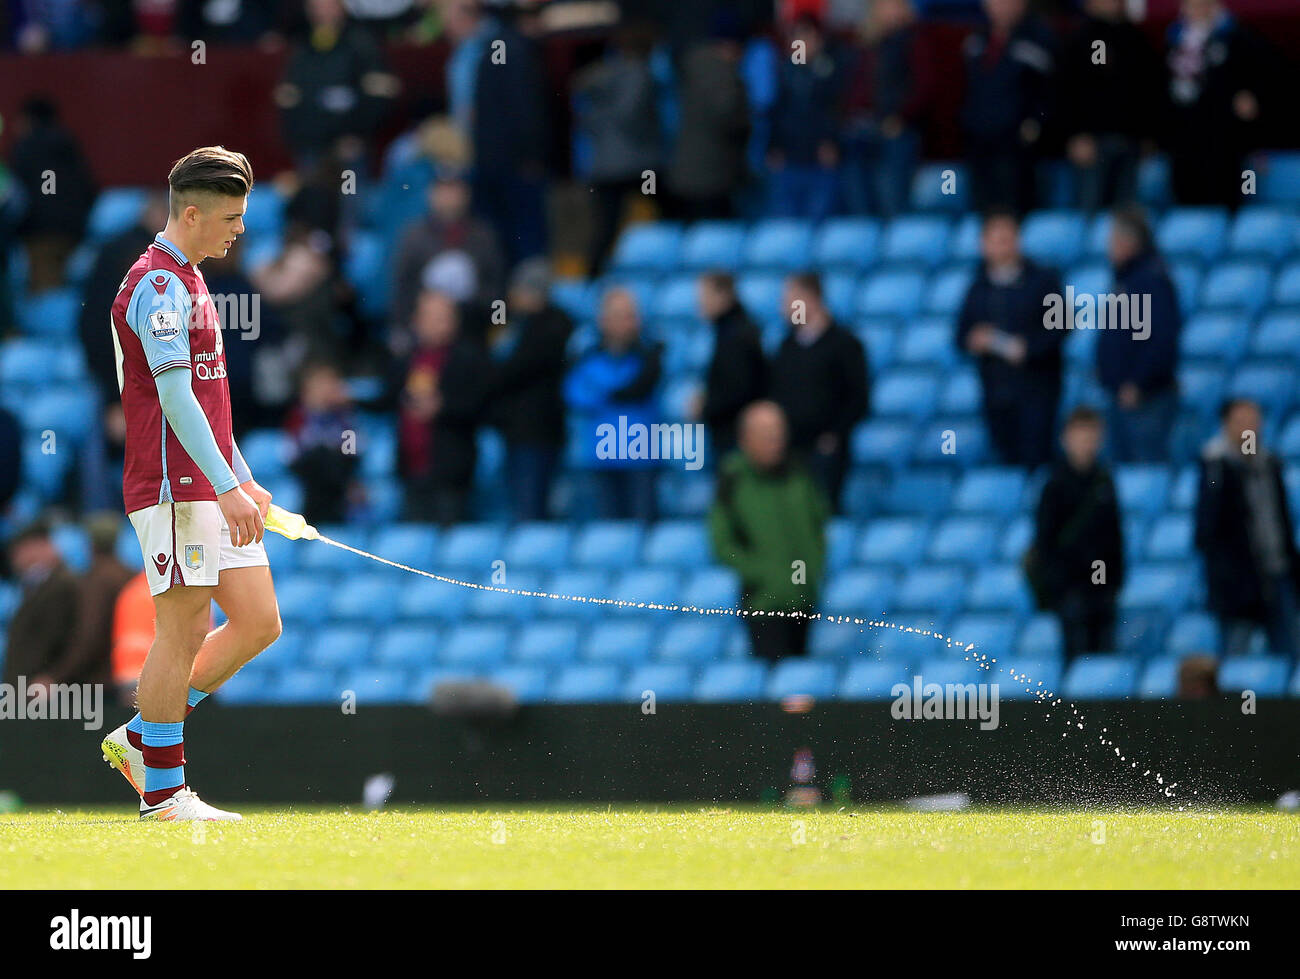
[1002,326]
[1137,366]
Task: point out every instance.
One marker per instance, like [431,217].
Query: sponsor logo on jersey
[160,561]
[194,556]
[165,325]
[159,283]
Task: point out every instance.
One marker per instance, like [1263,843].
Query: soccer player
[194,504]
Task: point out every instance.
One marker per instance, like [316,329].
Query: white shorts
[189,544]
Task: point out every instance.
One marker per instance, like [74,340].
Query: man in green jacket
[769,523]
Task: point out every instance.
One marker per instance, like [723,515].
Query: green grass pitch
[655,847]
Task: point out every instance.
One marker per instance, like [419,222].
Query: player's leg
[247,596]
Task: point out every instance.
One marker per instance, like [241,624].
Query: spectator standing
[1077,567]
[1001,325]
[889,89]
[819,379]
[529,357]
[325,453]
[1214,79]
[1137,367]
[443,395]
[1109,99]
[768,522]
[708,164]
[45,621]
[737,371]
[617,384]
[620,115]
[1246,536]
[1009,70]
[804,155]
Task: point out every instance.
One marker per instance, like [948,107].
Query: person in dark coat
[1137,361]
[45,621]
[1109,97]
[1246,536]
[1010,64]
[1002,326]
[819,378]
[1215,103]
[1078,565]
[529,359]
[737,372]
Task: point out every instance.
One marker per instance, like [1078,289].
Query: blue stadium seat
[712,588]
[964,246]
[486,603]
[891,293]
[841,542]
[846,243]
[379,685]
[1098,236]
[1158,586]
[366,265]
[407,646]
[667,681]
[882,441]
[869,679]
[248,687]
[1277,334]
[306,686]
[795,677]
[731,680]
[990,490]
[713,245]
[526,683]
[577,297]
[1286,287]
[586,683]
[760,294]
[115,210]
[909,392]
[1155,187]
[963,540]
[893,540]
[928,343]
[1041,638]
[1159,680]
[1260,230]
[927,588]
[1142,488]
[1054,237]
[547,643]
[1237,285]
[782,244]
[685,494]
[337,646]
[265,213]
[406,543]
[947,291]
[1101,677]
[618,642]
[991,634]
[648,247]
[367,597]
[1213,336]
[930,181]
[26,362]
[1201,386]
[472,548]
[1140,631]
[73,545]
[303,599]
[1194,632]
[691,640]
[1266,675]
[678,544]
[861,592]
[1198,231]
[474,645]
[1279,178]
[1170,538]
[427,598]
[538,545]
[951,670]
[51,314]
[1270,384]
[1025,678]
[998,588]
[961,394]
[657,586]
[919,492]
[608,544]
[1093,278]
[676,298]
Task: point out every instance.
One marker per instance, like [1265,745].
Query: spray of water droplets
[1037,689]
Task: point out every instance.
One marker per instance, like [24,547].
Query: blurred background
[481,230]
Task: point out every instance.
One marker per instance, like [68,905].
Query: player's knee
[267,629]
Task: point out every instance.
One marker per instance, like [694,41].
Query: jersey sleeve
[159,314]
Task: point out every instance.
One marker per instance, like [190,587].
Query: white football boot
[126,759]
[186,807]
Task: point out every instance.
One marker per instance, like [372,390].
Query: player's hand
[259,495]
[243,518]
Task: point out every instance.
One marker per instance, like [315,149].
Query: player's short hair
[209,170]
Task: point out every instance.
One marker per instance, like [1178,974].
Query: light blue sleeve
[159,314]
[242,472]
[186,417]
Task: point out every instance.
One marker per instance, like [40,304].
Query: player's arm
[186,417]
[159,314]
[258,494]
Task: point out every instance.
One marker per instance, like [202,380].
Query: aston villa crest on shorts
[194,556]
